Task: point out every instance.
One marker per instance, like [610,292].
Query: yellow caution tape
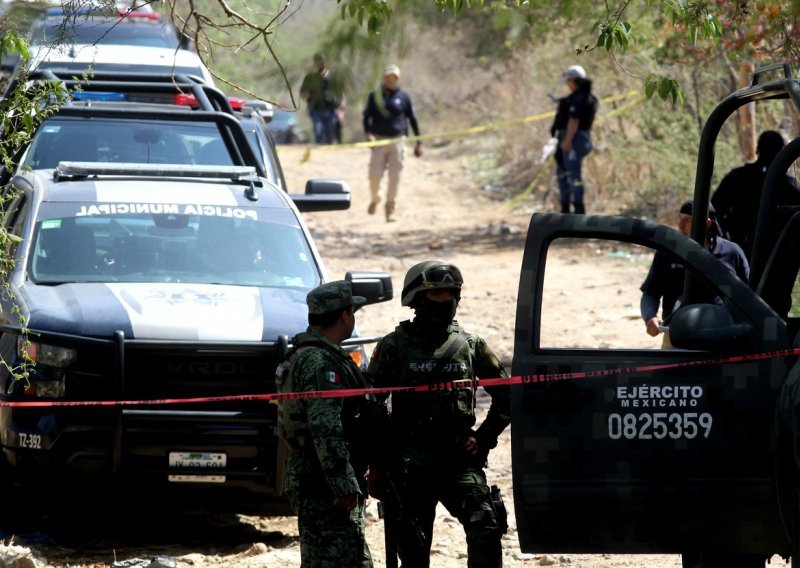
[618,110]
[529,188]
[458,133]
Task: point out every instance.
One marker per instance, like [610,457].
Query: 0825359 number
[659,425]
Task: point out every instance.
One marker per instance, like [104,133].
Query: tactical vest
[433,417]
[292,418]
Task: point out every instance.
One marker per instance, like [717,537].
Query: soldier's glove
[418,149]
[484,447]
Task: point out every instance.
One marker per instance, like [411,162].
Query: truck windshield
[164,242]
[101,30]
[131,141]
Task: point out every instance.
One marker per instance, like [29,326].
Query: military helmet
[427,276]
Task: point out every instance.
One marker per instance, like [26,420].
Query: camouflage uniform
[430,428]
[321,464]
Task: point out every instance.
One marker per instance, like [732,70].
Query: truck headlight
[45,389]
[44,354]
[357,355]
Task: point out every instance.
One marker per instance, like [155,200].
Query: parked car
[691,450]
[141,27]
[114,112]
[127,41]
[154,281]
[284,128]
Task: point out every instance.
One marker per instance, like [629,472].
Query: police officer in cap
[443,455]
[325,480]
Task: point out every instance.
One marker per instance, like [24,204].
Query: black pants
[464,493]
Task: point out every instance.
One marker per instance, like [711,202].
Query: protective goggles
[442,276]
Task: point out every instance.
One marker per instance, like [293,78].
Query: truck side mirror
[323,195]
[707,327]
[374,286]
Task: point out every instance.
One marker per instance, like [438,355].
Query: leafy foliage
[22,109]
[377,13]
[665,87]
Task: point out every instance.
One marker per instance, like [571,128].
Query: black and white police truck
[159,256]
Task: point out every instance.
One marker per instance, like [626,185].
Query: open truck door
[694,449]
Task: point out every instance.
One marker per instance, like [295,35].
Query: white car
[119,59]
[128,41]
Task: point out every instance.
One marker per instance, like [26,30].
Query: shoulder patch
[332,377]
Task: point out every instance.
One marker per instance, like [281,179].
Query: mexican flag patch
[333,377]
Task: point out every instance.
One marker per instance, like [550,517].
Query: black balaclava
[434,315]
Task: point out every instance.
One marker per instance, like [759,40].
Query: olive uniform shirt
[318,431]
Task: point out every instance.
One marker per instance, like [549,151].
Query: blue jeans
[568,172]
[324,126]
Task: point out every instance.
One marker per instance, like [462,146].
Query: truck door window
[592,294]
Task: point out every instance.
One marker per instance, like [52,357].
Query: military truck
[692,450]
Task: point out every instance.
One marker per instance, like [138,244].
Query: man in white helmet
[571,126]
[434,437]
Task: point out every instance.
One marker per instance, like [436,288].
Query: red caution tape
[433,387]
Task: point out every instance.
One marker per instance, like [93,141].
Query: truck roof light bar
[73,170]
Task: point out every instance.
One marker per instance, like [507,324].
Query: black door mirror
[707,327]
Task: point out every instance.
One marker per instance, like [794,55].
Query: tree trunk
[746,116]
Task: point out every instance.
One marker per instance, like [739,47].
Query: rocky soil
[443,214]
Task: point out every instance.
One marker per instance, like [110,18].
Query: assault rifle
[395,515]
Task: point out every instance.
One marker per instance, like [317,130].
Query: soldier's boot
[372,207]
[389,211]
[485,549]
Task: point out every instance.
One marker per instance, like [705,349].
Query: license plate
[197,459]
[196,478]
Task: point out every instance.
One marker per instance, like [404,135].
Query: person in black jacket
[738,196]
[573,121]
[388,114]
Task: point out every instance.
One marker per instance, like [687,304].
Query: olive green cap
[332,296]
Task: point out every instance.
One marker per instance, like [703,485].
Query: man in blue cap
[325,475]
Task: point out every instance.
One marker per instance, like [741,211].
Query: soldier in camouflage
[324,479]
[441,452]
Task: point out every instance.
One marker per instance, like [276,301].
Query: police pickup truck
[692,450]
[148,270]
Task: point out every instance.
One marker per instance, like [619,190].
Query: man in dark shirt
[664,281]
[388,114]
[738,196]
[571,126]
